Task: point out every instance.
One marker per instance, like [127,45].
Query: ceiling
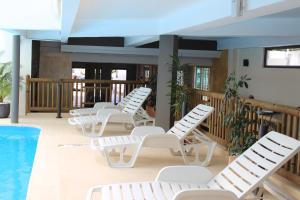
[142,22]
[130,9]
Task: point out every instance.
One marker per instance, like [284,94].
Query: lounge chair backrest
[137,100]
[190,121]
[125,99]
[262,159]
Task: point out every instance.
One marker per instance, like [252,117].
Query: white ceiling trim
[69,12]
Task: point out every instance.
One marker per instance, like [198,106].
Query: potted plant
[5,89]
[181,86]
[151,100]
[235,116]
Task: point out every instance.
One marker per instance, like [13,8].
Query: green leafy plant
[181,86]
[151,100]
[5,80]
[236,120]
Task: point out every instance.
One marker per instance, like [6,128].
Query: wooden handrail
[41,93]
[266,105]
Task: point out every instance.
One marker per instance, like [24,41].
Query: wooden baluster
[106,94]
[110,92]
[52,94]
[295,132]
[47,94]
[218,127]
[38,94]
[81,103]
[76,94]
[254,117]
[288,133]
[43,94]
[214,119]
[28,86]
[115,93]
[120,93]
[67,95]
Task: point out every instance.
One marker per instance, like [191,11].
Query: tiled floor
[65,166]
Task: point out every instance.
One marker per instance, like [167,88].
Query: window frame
[266,49]
[209,77]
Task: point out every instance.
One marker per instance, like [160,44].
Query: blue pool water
[17,150]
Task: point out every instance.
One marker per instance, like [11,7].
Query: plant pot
[4,110]
[150,110]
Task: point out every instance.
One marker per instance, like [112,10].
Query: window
[282,57]
[202,78]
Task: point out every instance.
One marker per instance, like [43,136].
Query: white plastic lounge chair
[105,116]
[150,136]
[236,181]
[102,105]
[141,116]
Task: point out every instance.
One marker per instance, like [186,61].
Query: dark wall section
[198,44]
[35,59]
[97,41]
[188,44]
[153,45]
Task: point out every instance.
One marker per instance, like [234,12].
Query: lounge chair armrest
[147,130]
[207,194]
[185,174]
[112,106]
[106,112]
[89,195]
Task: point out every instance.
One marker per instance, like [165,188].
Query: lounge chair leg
[129,126]
[175,152]
[109,153]
[196,147]
[178,152]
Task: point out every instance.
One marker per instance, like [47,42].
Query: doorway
[118,90]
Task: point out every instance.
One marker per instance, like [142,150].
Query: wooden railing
[41,93]
[286,121]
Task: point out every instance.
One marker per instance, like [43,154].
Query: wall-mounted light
[245,62]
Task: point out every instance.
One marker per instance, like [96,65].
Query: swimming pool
[17,150]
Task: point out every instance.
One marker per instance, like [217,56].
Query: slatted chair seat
[156,190]
[119,140]
[108,115]
[156,137]
[236,181]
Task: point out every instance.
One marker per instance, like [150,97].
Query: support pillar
[15,79]
[168,46]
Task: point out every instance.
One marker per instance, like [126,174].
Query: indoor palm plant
[5,88]
[236,120]
[181,86]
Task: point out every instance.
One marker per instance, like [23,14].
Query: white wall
[281,86]
[25,61]
[5,46]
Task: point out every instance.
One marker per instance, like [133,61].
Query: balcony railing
[41,93]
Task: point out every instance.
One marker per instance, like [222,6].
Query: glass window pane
[283,57]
